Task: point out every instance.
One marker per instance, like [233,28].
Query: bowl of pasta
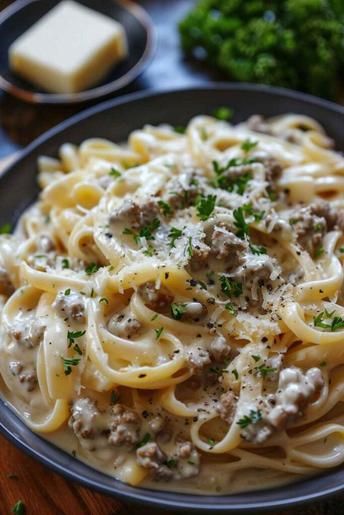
[172,316]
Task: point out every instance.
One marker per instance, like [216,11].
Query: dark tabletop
[20,476]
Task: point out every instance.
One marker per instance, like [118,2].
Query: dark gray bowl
[114,120]
[22,14]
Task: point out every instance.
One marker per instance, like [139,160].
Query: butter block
[70,49]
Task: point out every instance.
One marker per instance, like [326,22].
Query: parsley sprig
[178,310]
[223,113]
[230,287]
[253,417]
[68,363]
[205,206]
[236,184]
[328,320]
[240,220]
[248,145]
[173,235]
[145,232]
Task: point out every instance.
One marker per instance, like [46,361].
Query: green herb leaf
[205,206]
[231,308]
[230,287]
[248,145]
[148,230]
[329,321]
[92,268]
[103,300]
[65,263]
[165,208]
[67,292]
[256,357]
[180,129]
[147,438]
[73,335]
[257,249]
[178,310]
[252,418]
[114,172]
[171,463]
[264,371]
[223,113]
[173,235]
[211,442]
[235,373]
[158,332]
[6,229]
[189,248]
[240,222]
[319,251]
[19,508]
[68,363]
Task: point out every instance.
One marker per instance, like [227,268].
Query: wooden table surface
[21,477]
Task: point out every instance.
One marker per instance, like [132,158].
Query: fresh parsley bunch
[292,43]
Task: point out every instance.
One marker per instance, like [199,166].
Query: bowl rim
[35,97]
[150,497]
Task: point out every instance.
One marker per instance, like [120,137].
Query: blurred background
[298,44]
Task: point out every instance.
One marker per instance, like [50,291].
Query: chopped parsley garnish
[328,320]
[180,129]
[114,172]
[154,317]
[6,229]
[165,208]
[65,263]
[256,358]
[103,300]
[240,222]
[248,145]
[264,371]
[77,349]
[68,363]
[252,418]
[231,308]
[19,508]
[92,268]
[232,184]
[173,235]
[223,113]
[149,251]
[171,463]
[211,442]
[205,206]
[230,287]
[158,332]
[148,230]
[67,292]
[147,438]
[257,249]
[189,249]
[235,373]
[178,310]
[341,250]
[73,335]
[145,232]
[319,251]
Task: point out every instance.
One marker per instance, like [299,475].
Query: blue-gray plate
[22,14]
[115,119]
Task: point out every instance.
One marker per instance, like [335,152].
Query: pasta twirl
[172,308]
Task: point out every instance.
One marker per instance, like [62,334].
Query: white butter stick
[70,49]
